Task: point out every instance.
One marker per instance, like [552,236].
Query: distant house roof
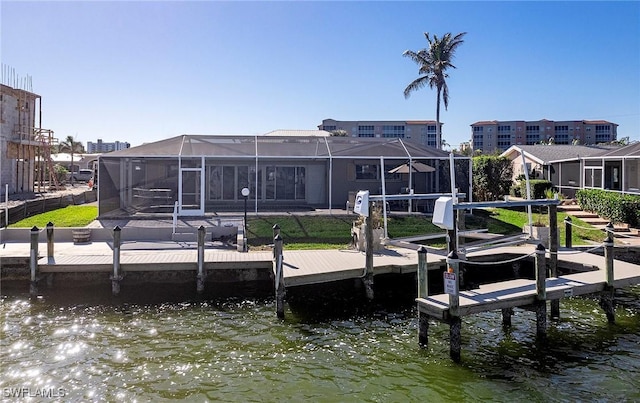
[485,122]
[598,122]
[546,154]
[77,157]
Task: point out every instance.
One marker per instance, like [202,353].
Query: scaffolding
[46,172]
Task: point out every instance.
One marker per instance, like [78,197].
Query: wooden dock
[599,275]
[522,292]
[301,267]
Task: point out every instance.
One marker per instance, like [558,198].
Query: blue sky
[145,71]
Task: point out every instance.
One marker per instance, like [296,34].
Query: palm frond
[415,85]
[433,63]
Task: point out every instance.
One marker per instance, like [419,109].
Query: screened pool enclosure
[206,174]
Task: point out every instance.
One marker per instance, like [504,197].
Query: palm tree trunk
[438,134]
[71,167]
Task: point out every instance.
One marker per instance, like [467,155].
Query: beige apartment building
[420,132]
[489,136]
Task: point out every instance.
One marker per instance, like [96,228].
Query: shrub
[616,207]
[538,188]
[60,172]
[491,177]
[515,191]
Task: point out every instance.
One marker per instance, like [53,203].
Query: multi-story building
[102,147]
[488,136]
[24,144]
[421,132]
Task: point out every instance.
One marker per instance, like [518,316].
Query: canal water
[332,346]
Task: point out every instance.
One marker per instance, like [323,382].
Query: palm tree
[69,145]
[433,63]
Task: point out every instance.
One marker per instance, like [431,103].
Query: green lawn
[505,221]
[327,232]
[70,216]
[315,232]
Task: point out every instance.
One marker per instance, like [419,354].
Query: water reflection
[330,347]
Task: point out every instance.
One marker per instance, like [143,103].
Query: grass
[70,216]
[504,221]
[334,232]
[301,232]
[326,232]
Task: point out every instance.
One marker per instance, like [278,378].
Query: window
[504,128]
[365,131]
[329,128]
[533,129]
[533,138]
[367,171]
[562,138]
[393,131]
[285,183]
[477,129]
[562,129]
[226,181]
[504,144]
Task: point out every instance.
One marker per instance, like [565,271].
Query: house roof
[630,150]
[421,122]
[283,147]
[598,122]
[485,122]
[545,154]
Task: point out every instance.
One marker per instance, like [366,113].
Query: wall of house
[316,185]
[533,165]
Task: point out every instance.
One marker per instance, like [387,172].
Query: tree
[492,177]
[433,63]
[339,133]
[69,145]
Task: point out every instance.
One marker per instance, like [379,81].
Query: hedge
[613,206]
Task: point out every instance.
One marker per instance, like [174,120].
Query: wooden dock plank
[154,261]
[521,292]
[312,267]
[318,266]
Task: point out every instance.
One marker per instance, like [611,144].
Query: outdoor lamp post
[245,193]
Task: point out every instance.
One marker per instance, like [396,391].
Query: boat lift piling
[116,277]
[33,261]
[202,232]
